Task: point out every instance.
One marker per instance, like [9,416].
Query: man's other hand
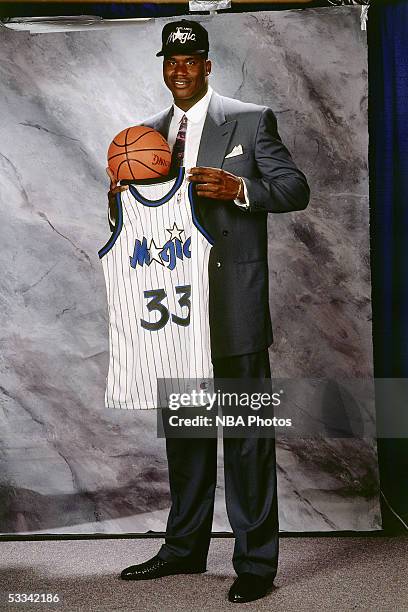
[216,183]
[113,190]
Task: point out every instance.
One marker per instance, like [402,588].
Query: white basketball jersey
[156,272]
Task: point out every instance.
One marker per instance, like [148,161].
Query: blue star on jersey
[165,255]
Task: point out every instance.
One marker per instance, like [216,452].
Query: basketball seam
[135,151]
[148,167]
[126,154]
[126,161]
[138,138]
[141,136]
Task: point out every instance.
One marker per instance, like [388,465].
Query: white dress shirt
[195,122]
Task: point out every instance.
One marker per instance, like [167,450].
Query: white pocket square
[237,150]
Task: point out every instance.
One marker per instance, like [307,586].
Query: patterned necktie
[177,155]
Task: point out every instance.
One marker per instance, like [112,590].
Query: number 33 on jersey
[155,266]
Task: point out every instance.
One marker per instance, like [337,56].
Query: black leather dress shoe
[157,568]
[248,587]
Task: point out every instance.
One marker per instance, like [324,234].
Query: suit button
[218,264]
[225,232]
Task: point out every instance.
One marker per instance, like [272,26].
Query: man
[241,171]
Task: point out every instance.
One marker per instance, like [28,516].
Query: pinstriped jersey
[155,266]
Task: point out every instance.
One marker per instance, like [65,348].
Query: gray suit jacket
[240,321]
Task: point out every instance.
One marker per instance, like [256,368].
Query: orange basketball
[139,153]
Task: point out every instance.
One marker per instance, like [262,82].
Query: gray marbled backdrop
[67,464]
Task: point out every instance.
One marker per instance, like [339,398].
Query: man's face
[186,76]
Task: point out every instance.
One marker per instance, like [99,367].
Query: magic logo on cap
[181,35]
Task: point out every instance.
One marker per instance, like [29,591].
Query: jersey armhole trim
[114,236]
[194,216]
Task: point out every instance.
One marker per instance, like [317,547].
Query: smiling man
[241,171]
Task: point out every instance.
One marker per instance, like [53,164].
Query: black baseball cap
[183,37]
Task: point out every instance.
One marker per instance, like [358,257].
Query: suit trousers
[250,488]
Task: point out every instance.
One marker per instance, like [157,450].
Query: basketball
[139,153]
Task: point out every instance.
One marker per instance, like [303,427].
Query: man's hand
[216,183]
[113,190]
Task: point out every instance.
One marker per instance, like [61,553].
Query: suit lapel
[216,135]
[162,123]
